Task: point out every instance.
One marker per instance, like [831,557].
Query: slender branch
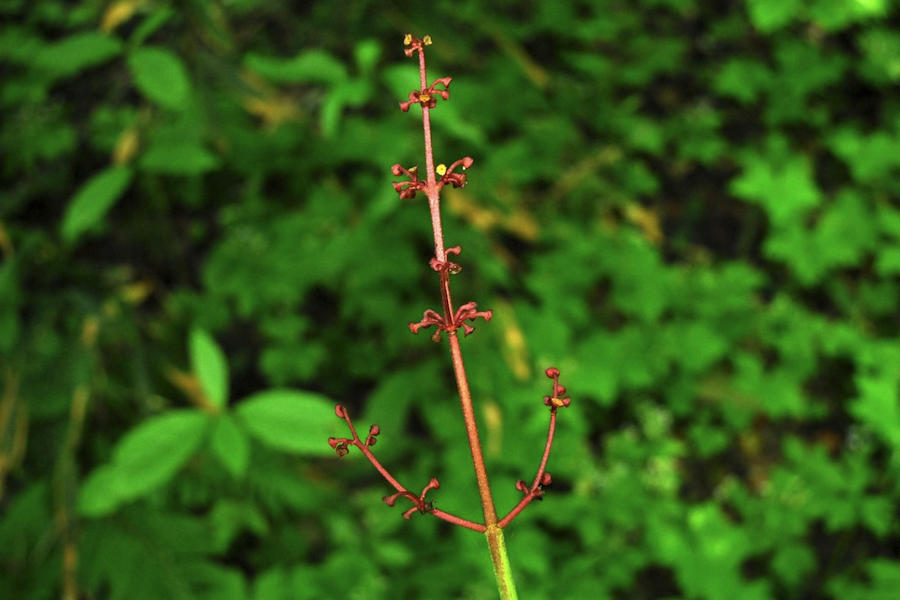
[534,491]
[555,402]
[341,446]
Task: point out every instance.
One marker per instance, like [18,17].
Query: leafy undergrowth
[691,209]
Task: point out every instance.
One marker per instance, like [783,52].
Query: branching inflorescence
[449,321]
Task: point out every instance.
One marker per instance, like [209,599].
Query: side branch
[342,447]
[535,491]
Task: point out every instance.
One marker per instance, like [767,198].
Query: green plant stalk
[500,559]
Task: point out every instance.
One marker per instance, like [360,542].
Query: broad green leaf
[888,262]
[743,79]
[145,458]
[312,65]
[793,562]
[210,365]
[230,445]
[187,158]
[293,421]
[271,584]
[878,406]
[694,344]
[770,15]
[366,53]
[834,16]
[161,76]
[75,53]
[20,44]
[156,449]
[881,48]
[93,200]
[99,494]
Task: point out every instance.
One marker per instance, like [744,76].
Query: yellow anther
[441,169]
[407,39]
[427,40]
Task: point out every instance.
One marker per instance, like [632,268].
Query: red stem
[431,190]
[465,399]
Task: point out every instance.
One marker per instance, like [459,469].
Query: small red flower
[466,312]
[407,189]
[428,97]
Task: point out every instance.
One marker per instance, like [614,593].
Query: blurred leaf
[870,157]
[840,238]
[161,76]
[881,48]
[147,555]
[186,158]
[794,563]
[271,584]
[75,53]
[743,79]
[366,53]
[93,200]
[292,421]
[145,458]
[230,445]
[210,365]
[780,181]
[308,66]
[881,584]
[770,15]
[161,15]
[878,406]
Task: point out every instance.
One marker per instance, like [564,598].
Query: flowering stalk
[449,321]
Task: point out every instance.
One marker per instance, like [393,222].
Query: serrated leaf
[292,421]
[210,365]
[230,445]
[93,200]
[161,76]
[779,180]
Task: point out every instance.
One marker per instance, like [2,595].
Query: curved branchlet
[535,491]
[342,447]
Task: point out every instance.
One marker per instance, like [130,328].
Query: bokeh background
[691,208]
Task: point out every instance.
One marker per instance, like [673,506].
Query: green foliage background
[690,208]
